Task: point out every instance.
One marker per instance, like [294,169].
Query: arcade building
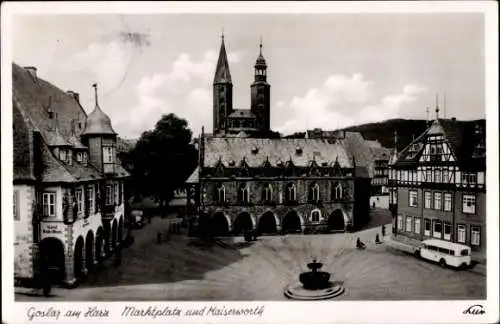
[248,181]
[438,184]
[68,185]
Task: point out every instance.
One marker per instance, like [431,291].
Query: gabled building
[272,185]
[68,184]
[439,184]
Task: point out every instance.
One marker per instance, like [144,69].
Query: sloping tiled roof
[222,73]
[36,97]
[193,178]
[22,145]
[34,100]
[459,134]
[255,151]
[242,113]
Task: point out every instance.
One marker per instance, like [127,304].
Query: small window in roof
[298,150]
[255,150]
[324,164]
[231,162]
[51,114]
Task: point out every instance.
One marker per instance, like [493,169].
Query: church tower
[223,92]
[261,94]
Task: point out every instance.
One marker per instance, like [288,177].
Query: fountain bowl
[315,280]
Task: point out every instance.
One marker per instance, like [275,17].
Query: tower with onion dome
[100,139]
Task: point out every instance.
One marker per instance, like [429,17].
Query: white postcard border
[289,312]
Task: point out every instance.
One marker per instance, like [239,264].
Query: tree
[163,158]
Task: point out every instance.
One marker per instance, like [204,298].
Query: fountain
[315,285]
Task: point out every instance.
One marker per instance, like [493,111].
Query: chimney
[31,70]
[75,95]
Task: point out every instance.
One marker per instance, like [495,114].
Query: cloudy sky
[325,70]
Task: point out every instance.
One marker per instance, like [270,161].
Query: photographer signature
[475,310]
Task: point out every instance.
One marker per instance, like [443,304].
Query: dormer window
[231,163]
[63,154]
[79,156]
[51,114]
[255,150]
[298,150]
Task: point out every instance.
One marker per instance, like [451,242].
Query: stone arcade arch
[219,224]
[52,257]
[268,223]
[79,258]
[98,244]
[89,250]
[243,222]
[114,233]
[120,229]
[292,223]
[336,221]
[107,232]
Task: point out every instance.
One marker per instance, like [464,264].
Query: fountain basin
[315,280]
[297,292]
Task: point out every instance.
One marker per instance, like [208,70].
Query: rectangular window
[461,233]
[108,156]
[49,204]
[428,175]
[16,205]
[427,228]
[413,197]
[437,200]
[408,224]
[447,202]
[79,156]
[117,193]
[469,204]
[428,199]
[79,200]
[417,226]
[91,198]
[109,195]
[436,231]
[475,236]
[400,222]
[62,155]
[447,231]
[446,177]
[438,176]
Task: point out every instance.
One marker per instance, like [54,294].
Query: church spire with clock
[261,94]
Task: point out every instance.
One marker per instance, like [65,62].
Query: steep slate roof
[22,145]
[33,98]
[194,177]
[257,150]
[459,134]
[242,113]
[222,73]
[36,97]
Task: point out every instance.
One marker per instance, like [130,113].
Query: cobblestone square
[180,269]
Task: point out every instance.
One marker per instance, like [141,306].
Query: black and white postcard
[250,162]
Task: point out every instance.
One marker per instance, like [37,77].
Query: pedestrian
[149,217]
[383,230]
[158,238]
[377,239]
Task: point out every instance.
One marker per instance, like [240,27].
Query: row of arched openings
[243,195]
[268,224]
[86,251]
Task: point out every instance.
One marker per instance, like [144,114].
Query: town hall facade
[248,179]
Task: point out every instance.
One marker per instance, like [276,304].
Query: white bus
[446,253]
